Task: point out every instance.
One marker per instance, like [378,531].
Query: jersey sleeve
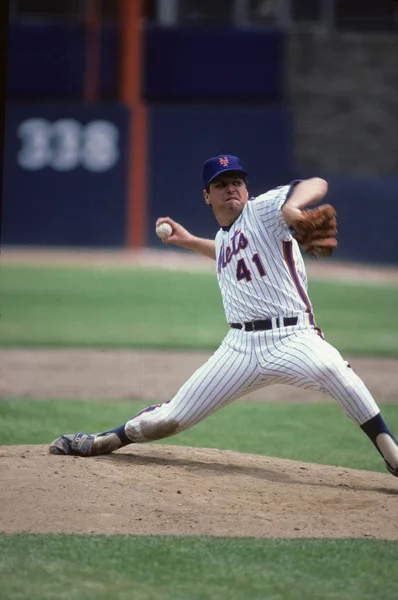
[268,210]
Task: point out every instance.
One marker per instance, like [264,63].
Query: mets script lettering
[238,242]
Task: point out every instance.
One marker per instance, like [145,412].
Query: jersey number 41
[243,271]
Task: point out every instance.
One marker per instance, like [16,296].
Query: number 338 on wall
[66,144]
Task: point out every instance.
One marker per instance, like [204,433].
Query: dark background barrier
[47,60]
[62,186]
[65,175]
[181,64]
[213,64]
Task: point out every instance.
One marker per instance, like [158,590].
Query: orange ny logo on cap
[224,162]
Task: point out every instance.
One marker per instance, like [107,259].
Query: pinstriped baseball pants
[246,361]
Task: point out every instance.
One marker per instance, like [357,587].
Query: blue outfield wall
[66,167]
[182,138]
[64,181]
[47,60]
[65,174]
[197,64]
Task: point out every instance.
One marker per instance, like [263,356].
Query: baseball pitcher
[272,337]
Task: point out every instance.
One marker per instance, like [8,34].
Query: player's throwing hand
[179,236]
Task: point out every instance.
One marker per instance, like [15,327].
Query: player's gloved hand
[315,230]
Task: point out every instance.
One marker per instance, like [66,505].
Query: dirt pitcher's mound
[178,490]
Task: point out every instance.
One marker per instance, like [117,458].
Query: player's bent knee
[332,369]
[334,375]
[149,430]
[158,430]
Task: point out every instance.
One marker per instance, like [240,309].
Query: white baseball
[164,230]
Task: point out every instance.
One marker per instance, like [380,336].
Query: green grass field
[192,568]
[91,307]
[318,433]
[96,307]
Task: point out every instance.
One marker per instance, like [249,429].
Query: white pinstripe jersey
[260,269]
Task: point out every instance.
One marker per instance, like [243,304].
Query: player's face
[227,196]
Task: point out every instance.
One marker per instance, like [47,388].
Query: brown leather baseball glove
[315,230]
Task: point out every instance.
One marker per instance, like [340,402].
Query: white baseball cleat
[393,471]
[85,444]
[70,444]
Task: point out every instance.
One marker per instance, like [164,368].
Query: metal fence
[360,15]
[290,14]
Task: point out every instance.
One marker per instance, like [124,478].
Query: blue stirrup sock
[121,434]
[374,427]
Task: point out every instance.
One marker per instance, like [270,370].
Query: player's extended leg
[229,374]
[321,367]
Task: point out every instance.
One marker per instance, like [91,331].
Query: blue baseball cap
[220,164]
